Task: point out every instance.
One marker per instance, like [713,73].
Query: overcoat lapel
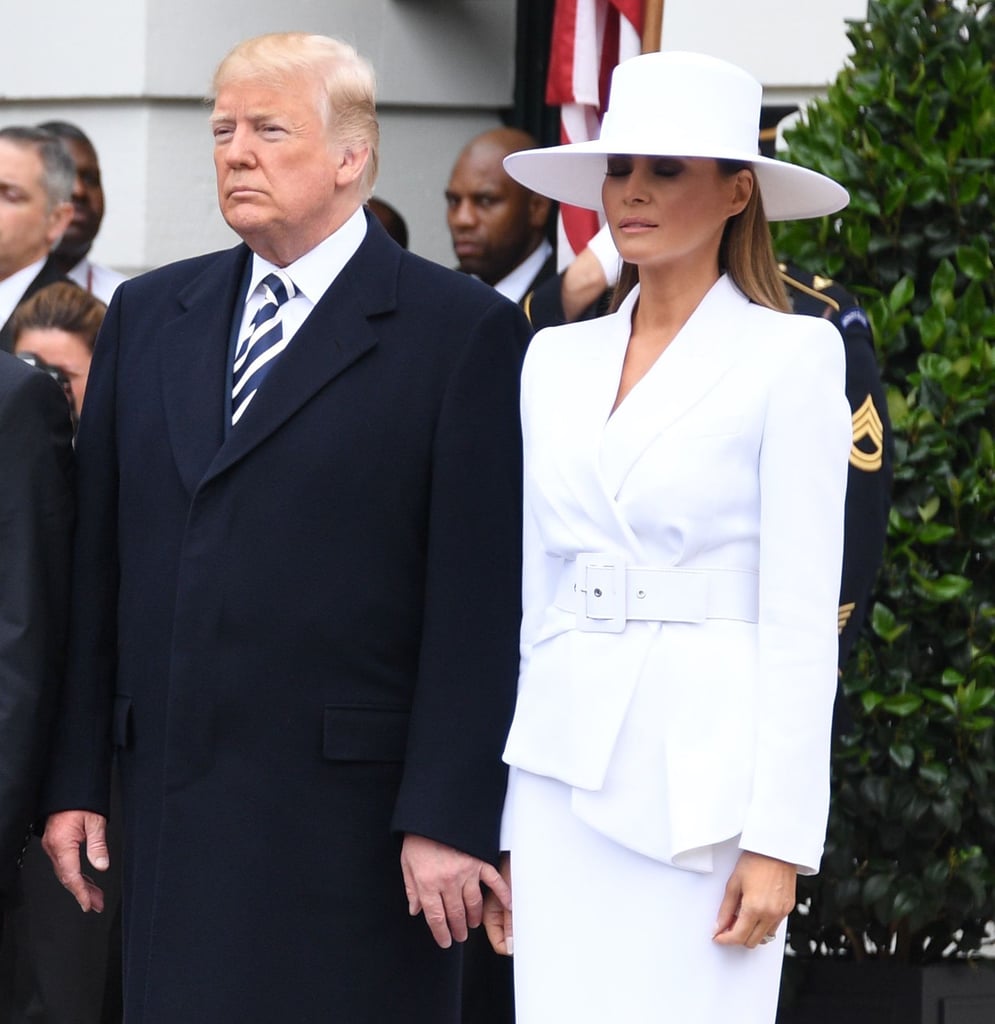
[194,349]
[336,334]
[700,355]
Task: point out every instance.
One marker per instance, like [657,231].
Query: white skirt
[604,935]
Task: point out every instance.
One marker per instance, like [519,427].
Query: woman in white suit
[686,462]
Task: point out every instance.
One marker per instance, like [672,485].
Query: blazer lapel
[194,364]
[689,368]
[335,335]
[48,274]
[565,429]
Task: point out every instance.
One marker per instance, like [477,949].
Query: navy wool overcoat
[299,636]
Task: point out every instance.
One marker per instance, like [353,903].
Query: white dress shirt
[312,275]
[12,288]
[98,280]
[514,285]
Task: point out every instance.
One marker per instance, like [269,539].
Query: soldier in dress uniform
[868,492]
[868,486]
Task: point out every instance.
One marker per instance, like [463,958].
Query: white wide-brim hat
[683,105]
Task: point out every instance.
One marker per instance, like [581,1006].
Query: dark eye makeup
[664,166]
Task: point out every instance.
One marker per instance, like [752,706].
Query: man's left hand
[444,884]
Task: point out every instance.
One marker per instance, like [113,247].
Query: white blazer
[730,456]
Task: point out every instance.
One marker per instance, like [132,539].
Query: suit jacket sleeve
[803,461]
[868,489]
[78,776]
[454,778]
[36,512]
[544,304]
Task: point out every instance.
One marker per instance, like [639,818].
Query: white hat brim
[574,174]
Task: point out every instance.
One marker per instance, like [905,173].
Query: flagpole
[652,25]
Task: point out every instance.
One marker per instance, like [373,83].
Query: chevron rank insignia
[846,610]
[867,450]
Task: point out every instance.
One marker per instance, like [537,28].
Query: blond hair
[746,252]
[346,93]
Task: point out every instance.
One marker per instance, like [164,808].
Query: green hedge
[909,128]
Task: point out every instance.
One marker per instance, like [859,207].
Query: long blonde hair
[746,253]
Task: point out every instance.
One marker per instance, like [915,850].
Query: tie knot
[277,287]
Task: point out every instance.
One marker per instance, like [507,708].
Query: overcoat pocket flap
[122,721]
[365,733]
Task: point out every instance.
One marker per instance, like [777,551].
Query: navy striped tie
[262,344]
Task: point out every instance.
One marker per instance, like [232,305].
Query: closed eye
[618,167]
[667,168]
[662,167]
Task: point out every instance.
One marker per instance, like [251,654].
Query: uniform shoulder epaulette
[854,316]
[821,296]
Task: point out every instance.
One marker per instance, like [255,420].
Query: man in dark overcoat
[36,509]
[297,587]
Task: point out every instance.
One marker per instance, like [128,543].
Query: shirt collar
[514,285]
[314,272]
[12,288]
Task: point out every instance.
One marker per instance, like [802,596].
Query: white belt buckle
[600,594]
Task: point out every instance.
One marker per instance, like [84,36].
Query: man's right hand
[65,834]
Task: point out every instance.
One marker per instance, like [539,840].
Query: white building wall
[133,73]
[795,47]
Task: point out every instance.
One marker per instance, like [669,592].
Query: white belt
[605,593]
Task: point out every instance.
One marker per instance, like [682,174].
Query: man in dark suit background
[296,599]
[72,254]
[36,508]
[36,182]
[498,227]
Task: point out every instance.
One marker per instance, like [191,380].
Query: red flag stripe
[632,10]
[559,81]
[587,43]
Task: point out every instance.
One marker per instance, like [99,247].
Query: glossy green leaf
[902,704]
[903,755]
[908,127]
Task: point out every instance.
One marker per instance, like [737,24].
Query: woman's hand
[759,895]
[497,918]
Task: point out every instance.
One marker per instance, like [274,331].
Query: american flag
[589,38]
